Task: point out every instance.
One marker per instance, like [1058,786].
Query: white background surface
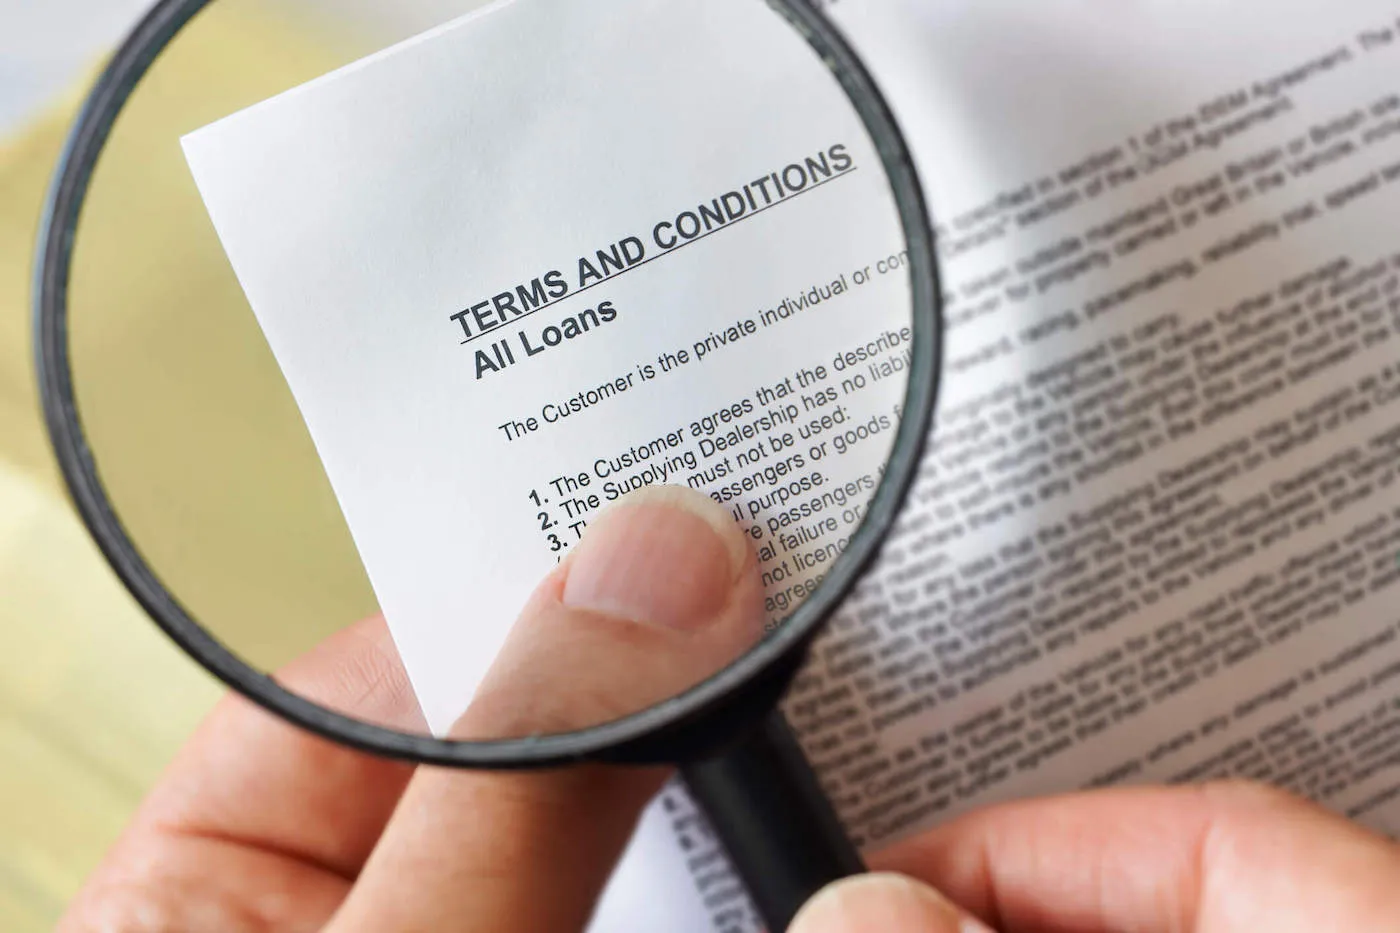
[46,45]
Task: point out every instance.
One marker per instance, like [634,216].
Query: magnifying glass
[786,364]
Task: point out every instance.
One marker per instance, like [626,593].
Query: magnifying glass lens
[666,251]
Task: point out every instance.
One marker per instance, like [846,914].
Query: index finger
[256,822]
[1222,857]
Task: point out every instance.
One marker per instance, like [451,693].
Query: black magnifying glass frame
[680,729]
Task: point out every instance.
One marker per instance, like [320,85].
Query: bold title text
[480,320]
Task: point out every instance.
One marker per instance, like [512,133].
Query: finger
[885,903]
[1221,857]
[662,592]
[249,777]
[665,594]
[252,806]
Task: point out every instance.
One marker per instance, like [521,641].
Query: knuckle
[1242,793]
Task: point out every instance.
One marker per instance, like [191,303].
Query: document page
[502,310]
[1157,533]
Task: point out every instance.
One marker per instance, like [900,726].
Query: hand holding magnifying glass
[804,252]
[261,827]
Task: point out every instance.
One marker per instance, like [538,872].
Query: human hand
[260,828]
[1222,858]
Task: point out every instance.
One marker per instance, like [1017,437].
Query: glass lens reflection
[697,290]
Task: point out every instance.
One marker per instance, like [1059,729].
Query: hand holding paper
[254,808]
[1156,536]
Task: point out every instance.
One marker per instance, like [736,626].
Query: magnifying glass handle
[777,825]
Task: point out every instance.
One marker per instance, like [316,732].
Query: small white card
[548,253]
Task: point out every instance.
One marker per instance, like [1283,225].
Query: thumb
[662,592]
[883,903]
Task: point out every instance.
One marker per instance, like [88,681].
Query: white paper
[997,95]
[1158,533]
[392,223]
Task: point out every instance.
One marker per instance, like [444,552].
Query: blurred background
[196,437]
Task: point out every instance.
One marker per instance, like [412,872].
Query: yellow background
[199,442]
